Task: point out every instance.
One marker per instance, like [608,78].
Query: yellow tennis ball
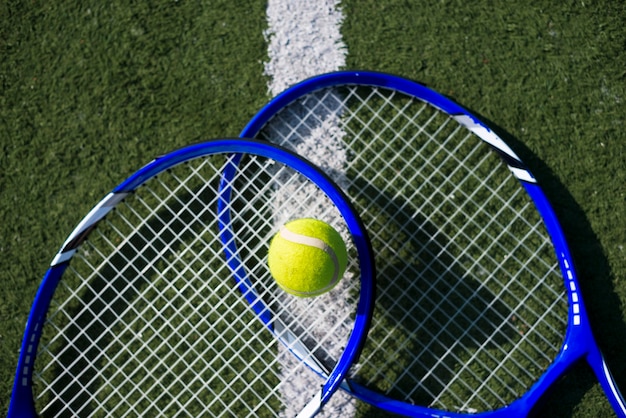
[307,257]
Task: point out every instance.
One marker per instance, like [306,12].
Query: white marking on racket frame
[495,141]
[611,382]
[93,217]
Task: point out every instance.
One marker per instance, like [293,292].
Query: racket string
[470,303]
[147,319]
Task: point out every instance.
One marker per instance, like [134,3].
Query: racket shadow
[596,278]
[143,329]
[432,313]
[123,278]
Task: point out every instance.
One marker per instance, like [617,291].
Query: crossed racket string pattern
[161,303]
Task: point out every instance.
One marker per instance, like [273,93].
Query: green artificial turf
[90,91]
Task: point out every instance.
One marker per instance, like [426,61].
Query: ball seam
[316,243]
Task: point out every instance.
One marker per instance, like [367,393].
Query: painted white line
[304,40]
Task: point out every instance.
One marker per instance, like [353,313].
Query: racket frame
[578,342]
[22,399]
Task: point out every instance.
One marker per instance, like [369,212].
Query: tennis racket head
[160,302]
[478,305]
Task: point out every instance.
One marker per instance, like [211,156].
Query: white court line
[304,40]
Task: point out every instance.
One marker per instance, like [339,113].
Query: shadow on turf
[433,305]
[595,280]
[449,314]
[145,336]
[116,289]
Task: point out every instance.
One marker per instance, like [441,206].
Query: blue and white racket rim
[259,301]
[295,116]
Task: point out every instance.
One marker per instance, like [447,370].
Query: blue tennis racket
[478,307]
[160,302]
